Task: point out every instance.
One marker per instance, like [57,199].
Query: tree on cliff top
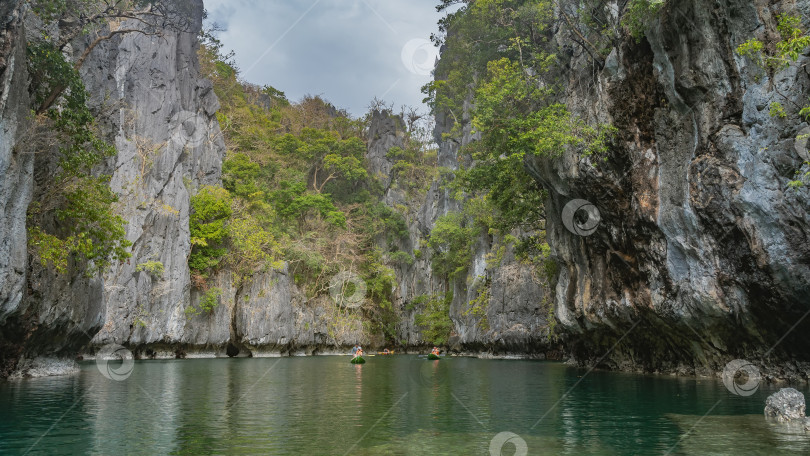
[74,215]
[101,20]
[500,63]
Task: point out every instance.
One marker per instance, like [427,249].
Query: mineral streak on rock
[702,247]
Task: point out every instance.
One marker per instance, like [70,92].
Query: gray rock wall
[16,176]
[701,255]
[273,316]
[16,169]
[152,104]
[41,312]
[169,145]
[517,311]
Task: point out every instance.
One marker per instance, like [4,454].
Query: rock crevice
[702,249]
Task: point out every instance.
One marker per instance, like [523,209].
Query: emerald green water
[397,405]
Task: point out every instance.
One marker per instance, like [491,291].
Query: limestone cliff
[516,310]
[701,254]
[43,316]
[16,177]
[153,106]
[169,144]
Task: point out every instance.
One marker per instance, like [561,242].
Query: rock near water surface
[785,405]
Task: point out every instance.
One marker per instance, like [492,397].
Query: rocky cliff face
[16,176]
[516,311]
[152,104]
[169,144]
[268,315]
[43,316]
[701,254]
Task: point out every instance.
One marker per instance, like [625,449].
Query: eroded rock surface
[785,405]
[513,315]
[701,255]
[16,183]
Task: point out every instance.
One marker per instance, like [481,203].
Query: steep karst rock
[169,144]
[701,254]
[152,105]
[16,180]
[516,309]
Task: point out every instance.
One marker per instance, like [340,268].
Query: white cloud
[348,51]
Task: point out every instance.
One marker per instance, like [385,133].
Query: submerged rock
[785,405]
[45,367]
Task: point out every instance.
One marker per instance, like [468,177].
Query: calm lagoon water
[394,405]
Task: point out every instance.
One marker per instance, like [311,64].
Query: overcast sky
[347,51]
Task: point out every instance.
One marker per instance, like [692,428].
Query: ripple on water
[390,405]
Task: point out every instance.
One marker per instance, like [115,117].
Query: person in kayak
[359,352]
[435,351]
[354,349]
[385,352]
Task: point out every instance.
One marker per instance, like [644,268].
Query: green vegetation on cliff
[297,189]
[75,214]
[501,69]
[778,55]
[499,58]
[435,317]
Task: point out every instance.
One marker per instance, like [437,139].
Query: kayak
[432,356]
[358,360]
[384,353]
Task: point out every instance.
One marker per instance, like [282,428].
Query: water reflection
[358,380]
[391,405]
